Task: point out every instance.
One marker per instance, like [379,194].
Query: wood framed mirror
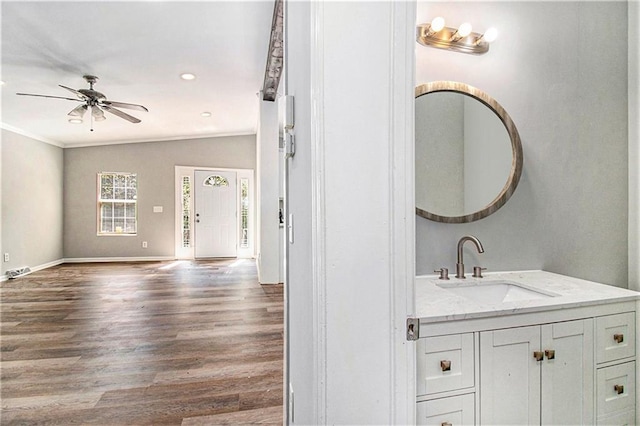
[468,153]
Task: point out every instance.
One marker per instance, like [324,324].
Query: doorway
[214,212]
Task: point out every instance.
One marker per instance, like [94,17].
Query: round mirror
[468,153]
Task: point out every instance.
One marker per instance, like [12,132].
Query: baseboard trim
[35,268]
[117,259]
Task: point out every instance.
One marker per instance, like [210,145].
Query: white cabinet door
[567,373]
[510,376]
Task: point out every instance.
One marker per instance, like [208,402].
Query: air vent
[14,273]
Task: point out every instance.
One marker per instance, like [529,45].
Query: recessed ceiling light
[187,76]
[205,114]
[75,121]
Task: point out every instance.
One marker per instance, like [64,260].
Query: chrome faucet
[460,263]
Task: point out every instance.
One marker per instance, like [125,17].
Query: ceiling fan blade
[97,113]
[124,105]
[48,96]
[121,114]
[78,111]
[80,95]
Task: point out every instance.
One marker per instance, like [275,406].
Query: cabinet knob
[550,353]
[619,389]
[445,365]
[446,424]
[619,338]
[538,355]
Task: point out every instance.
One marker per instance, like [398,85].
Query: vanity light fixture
[461,39]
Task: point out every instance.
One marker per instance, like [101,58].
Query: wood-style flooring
[154,343]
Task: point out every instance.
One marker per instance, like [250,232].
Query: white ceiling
[138,50]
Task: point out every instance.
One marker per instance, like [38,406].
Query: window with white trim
[117,203]
[244,212]
[186,211]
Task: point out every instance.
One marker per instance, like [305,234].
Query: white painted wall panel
[567,92]
[32,210]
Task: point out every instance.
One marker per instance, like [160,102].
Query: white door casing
[215,214]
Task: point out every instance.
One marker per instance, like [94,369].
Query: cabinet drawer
[627,418]
[445,363]
[615,389]
[454,411]
[615,337]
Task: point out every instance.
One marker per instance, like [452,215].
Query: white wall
[32,210]
[487,155]
[442,151]
[566,90]
[351,195]
[268,190]
[634,145]
[154,162]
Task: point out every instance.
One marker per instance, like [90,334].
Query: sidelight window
[186,211]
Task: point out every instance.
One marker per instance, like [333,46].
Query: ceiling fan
[96,101]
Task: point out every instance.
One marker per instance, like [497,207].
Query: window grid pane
[244,212]
[117,203]
[215,180]
[186,211]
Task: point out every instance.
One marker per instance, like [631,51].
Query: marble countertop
[436,304]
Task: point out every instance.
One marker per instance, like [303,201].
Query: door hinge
[290,145]
[413,328]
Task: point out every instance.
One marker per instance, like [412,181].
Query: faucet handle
[477,271]
[444,273]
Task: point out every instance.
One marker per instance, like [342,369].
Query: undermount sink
[492,292]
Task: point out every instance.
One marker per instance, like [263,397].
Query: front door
[216,230]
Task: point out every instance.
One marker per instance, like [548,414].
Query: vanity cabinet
[537,374]
[573,366]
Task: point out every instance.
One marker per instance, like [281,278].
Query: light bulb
[464,29]
[437,24]
[490,35]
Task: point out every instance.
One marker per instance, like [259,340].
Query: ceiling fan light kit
[96,101]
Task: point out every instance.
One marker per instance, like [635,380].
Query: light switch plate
[157,209]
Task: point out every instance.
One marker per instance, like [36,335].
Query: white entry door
[216,230]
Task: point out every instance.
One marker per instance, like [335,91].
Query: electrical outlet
[6,257]
[144,244]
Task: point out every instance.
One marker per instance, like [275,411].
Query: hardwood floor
[188,342]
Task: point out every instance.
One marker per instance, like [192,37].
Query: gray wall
[32,175]
[560,70]
[154,163]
